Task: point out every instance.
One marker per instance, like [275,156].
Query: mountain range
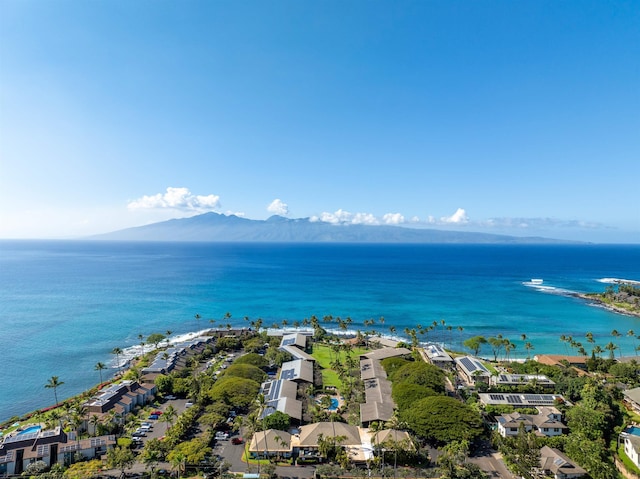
[215,227]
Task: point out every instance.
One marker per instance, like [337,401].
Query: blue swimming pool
[334,404]
[633,430]
[30,430]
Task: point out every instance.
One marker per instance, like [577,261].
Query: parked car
[157,413]
[170,397]
[236,440]
[188,404]
[153,416]
[139,434]
[222,436]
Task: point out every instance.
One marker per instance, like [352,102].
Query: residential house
[280,395]
[53,446]
[271,443]
[631,444]
[438,356]
[554,463]
[472,370]
[546,423]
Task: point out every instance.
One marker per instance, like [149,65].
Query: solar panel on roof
[288,341]
[547,397]
[497,397]
[288,374]
[468,364]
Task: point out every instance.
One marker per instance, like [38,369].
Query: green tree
[54,383]
[522,452]
[277,420]
[420,373]
[451,458]
[155,339]
[117,352]
[100,367]
[246,371]
[475,344]
[253,359]
[443,419]
[234,391]
[405,394]
[121,458]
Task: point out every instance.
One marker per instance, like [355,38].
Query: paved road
[491,462]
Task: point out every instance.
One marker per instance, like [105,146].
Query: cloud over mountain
[177,199]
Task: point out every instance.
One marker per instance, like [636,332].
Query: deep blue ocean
[64,305]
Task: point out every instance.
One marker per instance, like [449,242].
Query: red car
[156,413]
[236,440]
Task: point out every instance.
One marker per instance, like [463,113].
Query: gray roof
[297,370]
[556,462]
[375,411]
[270,440]
[280,395]
[297,353]
[436,353]
[472,366]
[370,368]
[632,395]
[521,379]
[385,353]
[520,400]
[294,339]
[391,435]
[309,434]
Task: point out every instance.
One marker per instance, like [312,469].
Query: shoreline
[589,297]
[130,356]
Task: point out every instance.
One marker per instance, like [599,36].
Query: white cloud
[177,199]
[459,217]
[278,207]
[239,214]
[344,217]
[393,219]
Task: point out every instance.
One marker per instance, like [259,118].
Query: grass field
[324,355]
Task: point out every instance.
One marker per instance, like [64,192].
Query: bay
[64,305]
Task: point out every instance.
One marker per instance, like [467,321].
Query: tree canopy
[443,419]
[253,359]
[246,371]
[405,394]
[234,391]
[420,373]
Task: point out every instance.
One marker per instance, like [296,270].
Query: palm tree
[169,415]
[528,346]
[54,383]
[460,329]
[117,351]
[99,367]
[611,348]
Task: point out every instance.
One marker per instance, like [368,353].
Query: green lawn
[324,355]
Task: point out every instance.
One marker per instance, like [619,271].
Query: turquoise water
[30,430]
[72,302]
[334,404]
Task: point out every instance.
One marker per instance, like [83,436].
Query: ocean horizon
[64,305]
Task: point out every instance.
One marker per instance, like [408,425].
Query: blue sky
[501,116]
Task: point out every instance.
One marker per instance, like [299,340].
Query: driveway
[490,461]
